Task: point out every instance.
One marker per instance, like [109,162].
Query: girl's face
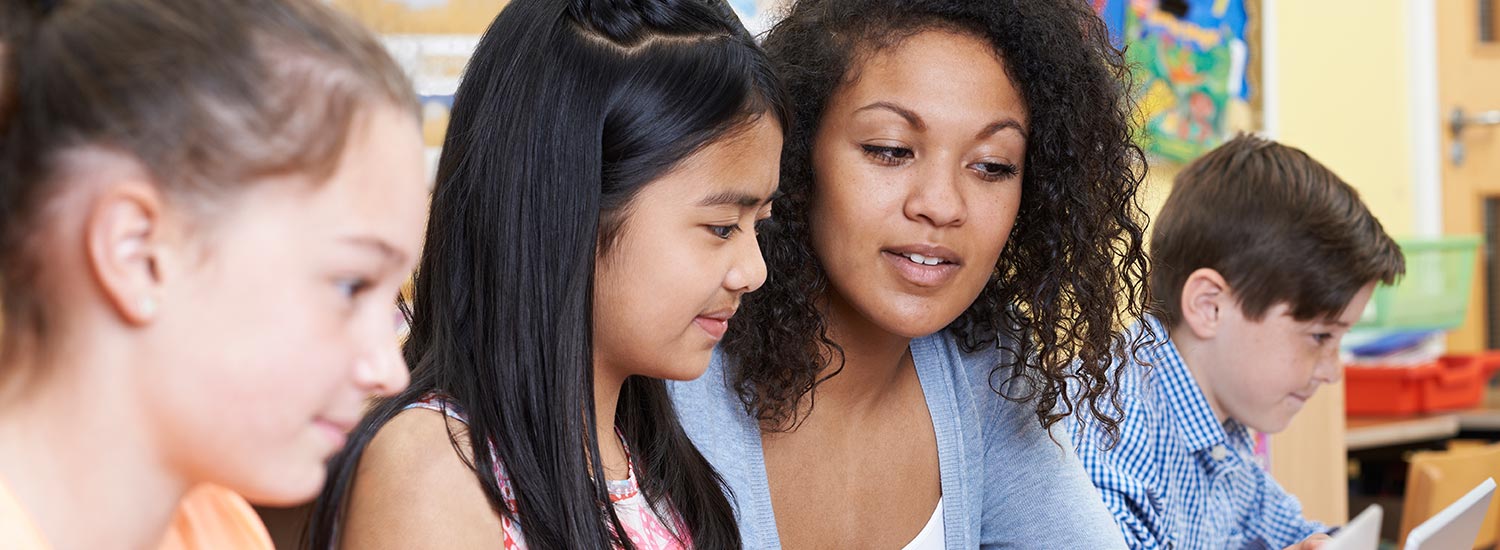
[917,167]
[666,287]
[274,325]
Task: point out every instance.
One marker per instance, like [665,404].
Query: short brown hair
[1276,224]
[206,94]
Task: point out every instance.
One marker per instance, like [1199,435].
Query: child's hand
[1310,543]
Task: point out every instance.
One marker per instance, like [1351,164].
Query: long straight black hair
[566,110]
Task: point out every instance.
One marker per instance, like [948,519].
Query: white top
[931,536]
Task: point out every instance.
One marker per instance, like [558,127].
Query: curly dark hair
[1073,270]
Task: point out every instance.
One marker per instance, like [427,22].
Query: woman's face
[667,285]
[271,337]
[917,165]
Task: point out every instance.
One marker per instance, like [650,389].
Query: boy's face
[1262,372]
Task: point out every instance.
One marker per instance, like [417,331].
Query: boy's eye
[1322,338]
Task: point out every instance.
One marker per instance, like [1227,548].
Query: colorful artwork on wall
[1190,58]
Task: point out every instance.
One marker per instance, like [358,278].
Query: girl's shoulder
[415,484]
[438,403]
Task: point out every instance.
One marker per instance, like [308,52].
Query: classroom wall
[1343,95]
[1341,81]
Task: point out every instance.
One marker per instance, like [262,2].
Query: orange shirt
[209,517]
[214,517]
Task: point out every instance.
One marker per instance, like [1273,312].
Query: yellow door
[1469,80]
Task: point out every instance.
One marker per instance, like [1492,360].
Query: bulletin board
[1197,64]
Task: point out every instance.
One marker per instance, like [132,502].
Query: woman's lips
[923,265]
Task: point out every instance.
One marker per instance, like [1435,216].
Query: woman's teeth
[924,260]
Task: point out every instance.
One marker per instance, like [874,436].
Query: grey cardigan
[1005,482]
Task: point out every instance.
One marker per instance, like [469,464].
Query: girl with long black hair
[591,233]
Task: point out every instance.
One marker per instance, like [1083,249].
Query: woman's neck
[75,452]
[876,361]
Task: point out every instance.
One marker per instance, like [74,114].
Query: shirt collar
[1199,428]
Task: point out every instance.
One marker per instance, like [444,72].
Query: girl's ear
[123,234]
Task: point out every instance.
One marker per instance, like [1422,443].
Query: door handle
[1459,121]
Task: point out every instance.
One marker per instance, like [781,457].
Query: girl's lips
[714,326]
[337,433]
[920,274]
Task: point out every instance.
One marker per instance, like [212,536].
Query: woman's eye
[887,155]
[994,171]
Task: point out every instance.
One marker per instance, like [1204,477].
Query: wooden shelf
[1371,432]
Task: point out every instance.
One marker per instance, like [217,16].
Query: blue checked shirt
[1178,478]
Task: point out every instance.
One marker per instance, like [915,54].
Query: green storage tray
[1434,294]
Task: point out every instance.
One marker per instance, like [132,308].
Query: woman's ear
[1205,294]
[124,234]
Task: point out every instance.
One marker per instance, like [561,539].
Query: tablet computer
[1457,525]
[1362,533]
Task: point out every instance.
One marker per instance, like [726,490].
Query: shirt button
[1218,452]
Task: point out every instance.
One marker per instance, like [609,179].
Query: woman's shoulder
[710,396]
[996,407]
[967,358]
[978,369]
[711,411]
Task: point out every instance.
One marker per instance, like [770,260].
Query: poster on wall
[1190,58]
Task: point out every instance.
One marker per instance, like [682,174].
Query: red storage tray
[1452,382]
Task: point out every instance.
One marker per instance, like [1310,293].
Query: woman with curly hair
[956,247]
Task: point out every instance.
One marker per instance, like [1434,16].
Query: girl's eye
[995,171]
[724,231]
[352,287]
[1322,338]
[887,155]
